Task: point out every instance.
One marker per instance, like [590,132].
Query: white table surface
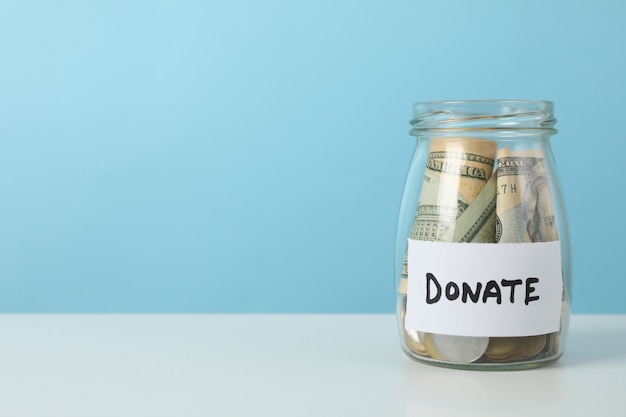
[284,365]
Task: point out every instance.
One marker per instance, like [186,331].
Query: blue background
[244,156]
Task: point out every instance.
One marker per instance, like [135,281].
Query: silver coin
[457,349]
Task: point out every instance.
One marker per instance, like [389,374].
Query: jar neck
[480,118]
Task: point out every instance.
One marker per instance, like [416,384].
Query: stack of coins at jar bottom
[513,349]
[462,349]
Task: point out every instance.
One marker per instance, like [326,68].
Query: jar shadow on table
[448,392]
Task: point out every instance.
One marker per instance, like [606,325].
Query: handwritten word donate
[491,289]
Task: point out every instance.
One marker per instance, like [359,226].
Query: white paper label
[484,289]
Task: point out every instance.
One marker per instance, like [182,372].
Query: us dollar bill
[456,172]
[524,210]
[453,206]
[478,222]
[524,214]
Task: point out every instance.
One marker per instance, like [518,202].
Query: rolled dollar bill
[478,222]
[524,211]
[458,171]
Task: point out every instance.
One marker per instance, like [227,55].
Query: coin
[532,346]
[552,344]
[414,343]
[458,349]
[513,349]
[501,348]
[411,337]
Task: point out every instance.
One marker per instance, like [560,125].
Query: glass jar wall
[482,268]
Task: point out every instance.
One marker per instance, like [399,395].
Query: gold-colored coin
[552,343]
[431,349]
[456,349]
[414,343]
[512,349]
[500,348]
[533,346]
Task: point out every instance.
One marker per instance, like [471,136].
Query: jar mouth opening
[496,116]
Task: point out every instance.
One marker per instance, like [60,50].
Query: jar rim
[496,116]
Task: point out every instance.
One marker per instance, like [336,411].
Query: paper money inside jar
[482,252]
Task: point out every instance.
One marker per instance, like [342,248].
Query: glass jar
[482,263]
